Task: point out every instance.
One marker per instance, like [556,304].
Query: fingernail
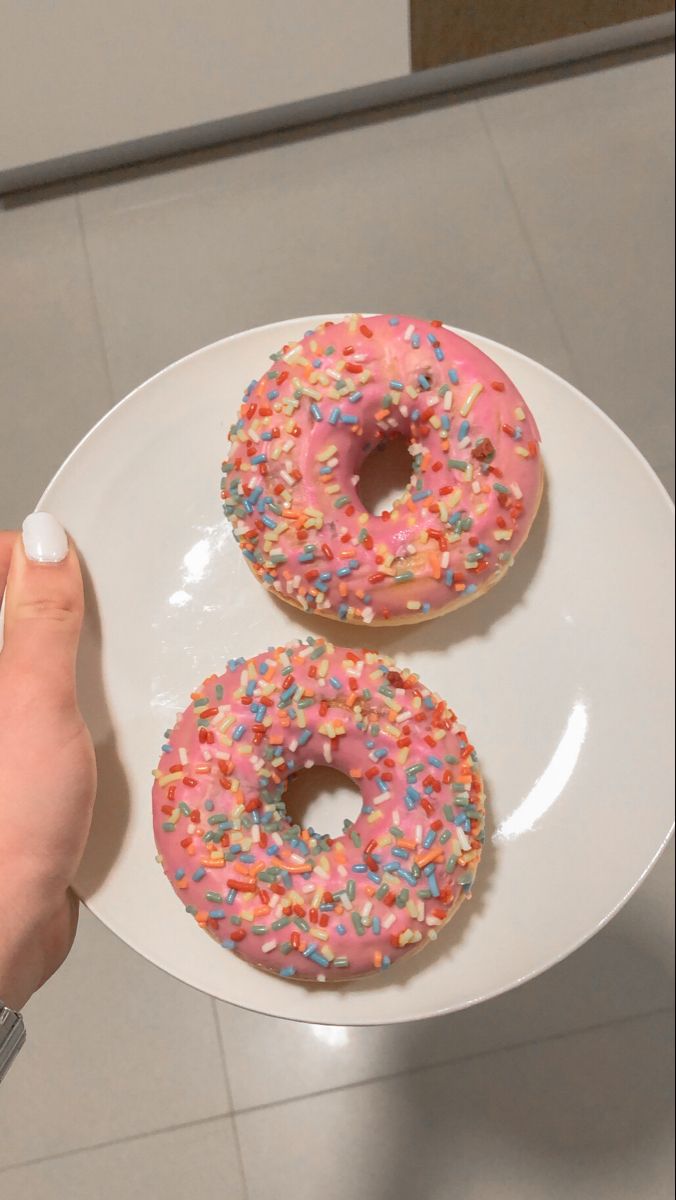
[44,540]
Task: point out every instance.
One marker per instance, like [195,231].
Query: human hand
[47,766]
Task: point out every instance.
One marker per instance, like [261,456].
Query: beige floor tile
[200,1161]
[406,214]
[589,160]
[53,381]
[115,1048]
[586,1116]
[626,970]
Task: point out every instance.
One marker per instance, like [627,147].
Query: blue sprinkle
[393,321]
[421,496]
[439,354]
[453,375]
[319,959]
[228,944]
[238,732]
[380,753]
[355,397]
[217,914]
[335,682]
[343,611]
[430,839]
[259,458]
[463,430]
[349,419]
[316,412]
[424,383]
[415,341]
[334,417]
[342,572]
[471,587]
[396,385]
[410,879]
[273,394]
[341,930]
[304,737]
[198,874]
[375,925]
[287,972]
[180,873]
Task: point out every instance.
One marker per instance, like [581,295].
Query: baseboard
[456,77]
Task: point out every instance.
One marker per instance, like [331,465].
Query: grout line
[463,1058]
[525,231]
[94,298]
[226,1073]
[416,1070]
[119,1141]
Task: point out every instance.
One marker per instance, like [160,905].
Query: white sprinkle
[463,839]
[389,920]
[475,391]
[409,333]
[268,946]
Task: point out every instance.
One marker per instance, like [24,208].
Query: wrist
[20,953]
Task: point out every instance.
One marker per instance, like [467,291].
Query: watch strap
[12,1037]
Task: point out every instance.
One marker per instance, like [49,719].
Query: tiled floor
[541,217]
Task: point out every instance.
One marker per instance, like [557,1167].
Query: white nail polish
[44,540]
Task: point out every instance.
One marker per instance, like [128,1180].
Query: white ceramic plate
[562,674]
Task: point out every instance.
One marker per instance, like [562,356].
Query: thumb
[44,607]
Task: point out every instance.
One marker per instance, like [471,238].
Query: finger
[7,539]
[44,606]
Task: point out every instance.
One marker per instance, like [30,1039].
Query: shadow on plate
[112,806]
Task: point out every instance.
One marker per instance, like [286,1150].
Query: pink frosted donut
[289,899]
[304,429]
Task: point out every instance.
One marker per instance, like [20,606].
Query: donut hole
[323,798]
[384,475]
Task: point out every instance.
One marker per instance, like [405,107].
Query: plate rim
[577,943]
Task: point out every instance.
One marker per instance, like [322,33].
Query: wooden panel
[450,31]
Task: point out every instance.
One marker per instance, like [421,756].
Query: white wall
[76,75]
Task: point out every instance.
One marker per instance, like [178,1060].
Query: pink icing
[304,430]
[288,899]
